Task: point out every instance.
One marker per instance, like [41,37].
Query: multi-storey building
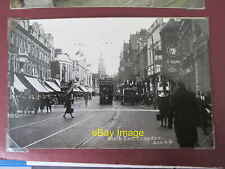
[65,64]
[30,49]
[154,48]
[133,57]
[170,41]
[193,50]
[30,54]
[185,53]
[84,73]
[125,68]
[138,53]
[67,69]
[154,55]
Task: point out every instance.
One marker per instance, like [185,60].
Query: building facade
[133,59]
[30,49]
[125,68]
[65,67]
[193,47]
[154,52]
[84,74]
[185,53]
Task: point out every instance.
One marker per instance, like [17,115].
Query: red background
[188,157]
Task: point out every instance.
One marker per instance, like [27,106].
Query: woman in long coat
[68,106]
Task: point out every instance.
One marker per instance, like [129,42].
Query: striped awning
[53,86]
[37,85]
[18,85]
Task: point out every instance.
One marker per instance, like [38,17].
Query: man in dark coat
[36,104]
[42,103]
[48,104]
[185,109]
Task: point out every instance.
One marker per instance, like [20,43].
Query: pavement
[91,127]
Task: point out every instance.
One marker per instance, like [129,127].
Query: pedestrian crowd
[27,103]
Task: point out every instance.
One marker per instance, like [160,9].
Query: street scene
[108,3]
[109,83]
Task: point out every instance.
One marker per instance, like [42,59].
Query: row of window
[26,46]
[37,70]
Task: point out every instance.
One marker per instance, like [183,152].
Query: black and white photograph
[190,4]
[109,83]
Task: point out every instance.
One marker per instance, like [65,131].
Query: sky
[95,37]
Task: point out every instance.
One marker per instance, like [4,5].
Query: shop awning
[83,88]
[76,89]
[18,85]
[54,86]
[37,85]
[57,82]
[48,88]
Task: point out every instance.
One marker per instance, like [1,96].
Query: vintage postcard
[123,83]
[108,3]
